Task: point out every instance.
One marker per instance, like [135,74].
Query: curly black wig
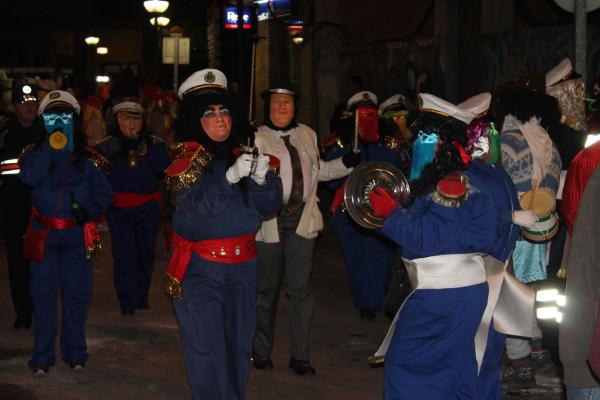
[524,103]
[447,157]
[187,126]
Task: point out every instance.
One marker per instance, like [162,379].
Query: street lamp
[102,50]
[155,8]
[92,40]
[161,20]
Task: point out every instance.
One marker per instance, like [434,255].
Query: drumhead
[544,202]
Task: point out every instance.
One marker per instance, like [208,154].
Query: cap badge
[366,96]
[54,95]
[209,77]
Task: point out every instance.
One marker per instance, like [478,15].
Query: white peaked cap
[478,104]
[206,78]
[436,105]
[360,97]
[396,99]
[58,99]
[563,70]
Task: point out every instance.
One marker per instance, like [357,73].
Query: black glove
[351,159]
[80,214]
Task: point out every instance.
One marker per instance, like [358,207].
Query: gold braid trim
[199,160]
[445,201]
[172,287]
[98,160]
[393,142]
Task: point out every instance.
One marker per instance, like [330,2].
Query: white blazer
[304,140]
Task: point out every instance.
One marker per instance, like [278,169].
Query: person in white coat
[286,241]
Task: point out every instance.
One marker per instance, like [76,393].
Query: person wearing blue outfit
[483,145]
[368,255]
[68,192]
[445,232]
[221,201]
[136,164]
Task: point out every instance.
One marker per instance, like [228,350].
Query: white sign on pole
[168,50]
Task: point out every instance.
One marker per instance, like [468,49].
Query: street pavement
[138,357]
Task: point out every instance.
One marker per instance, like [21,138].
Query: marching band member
[221,202]
[68,192]
[444,234]
[286,240]
[369,256]
[136,164]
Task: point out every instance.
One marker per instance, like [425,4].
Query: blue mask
[57,123]
[423,153]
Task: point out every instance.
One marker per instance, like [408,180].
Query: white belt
[448,271]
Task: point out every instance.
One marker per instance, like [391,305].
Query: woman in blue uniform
[430,350]
[136,163]
[68,192]
[220,205]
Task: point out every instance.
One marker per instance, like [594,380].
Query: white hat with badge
[362,97]
[397,101]
[204,79]
[464,112]
[58,99]
[561,72]
[477,105]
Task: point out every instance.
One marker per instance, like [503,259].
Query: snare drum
[544,205]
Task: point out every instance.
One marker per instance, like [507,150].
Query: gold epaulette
[331,142]
[97,159]
[394,142]
[451,190]
[190,159]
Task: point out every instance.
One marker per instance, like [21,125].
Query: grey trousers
[293,254]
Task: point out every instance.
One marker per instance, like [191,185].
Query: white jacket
[304,140]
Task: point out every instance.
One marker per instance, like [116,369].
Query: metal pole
[159,59]
[580,37]
[240,29]
[176,65]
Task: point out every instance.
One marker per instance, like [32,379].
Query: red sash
[227,251]
[125,200]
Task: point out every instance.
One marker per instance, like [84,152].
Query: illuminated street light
[156,6]
[92,40]
[102,50]
[162,21]
[295,29]
[102,79]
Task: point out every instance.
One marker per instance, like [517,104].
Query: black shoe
[41,369]
[76,365]
[261,362]
[126,311]
[301,367]
[143,306]
[22,322]
[367,313]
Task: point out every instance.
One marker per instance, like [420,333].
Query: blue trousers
[64,267]
[432,352]
[489,382]
[133,234]
[217,319]
[369,258]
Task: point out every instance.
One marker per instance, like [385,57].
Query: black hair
[447,157]
[187,126]
[524,103]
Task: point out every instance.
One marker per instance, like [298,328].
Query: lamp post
[156,8]
[92,41]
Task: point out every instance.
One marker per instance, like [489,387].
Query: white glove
[526,218]
[239,169]
[262,166]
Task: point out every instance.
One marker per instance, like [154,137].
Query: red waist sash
[55,223]
[122,199]
[226,250]
[90,234]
